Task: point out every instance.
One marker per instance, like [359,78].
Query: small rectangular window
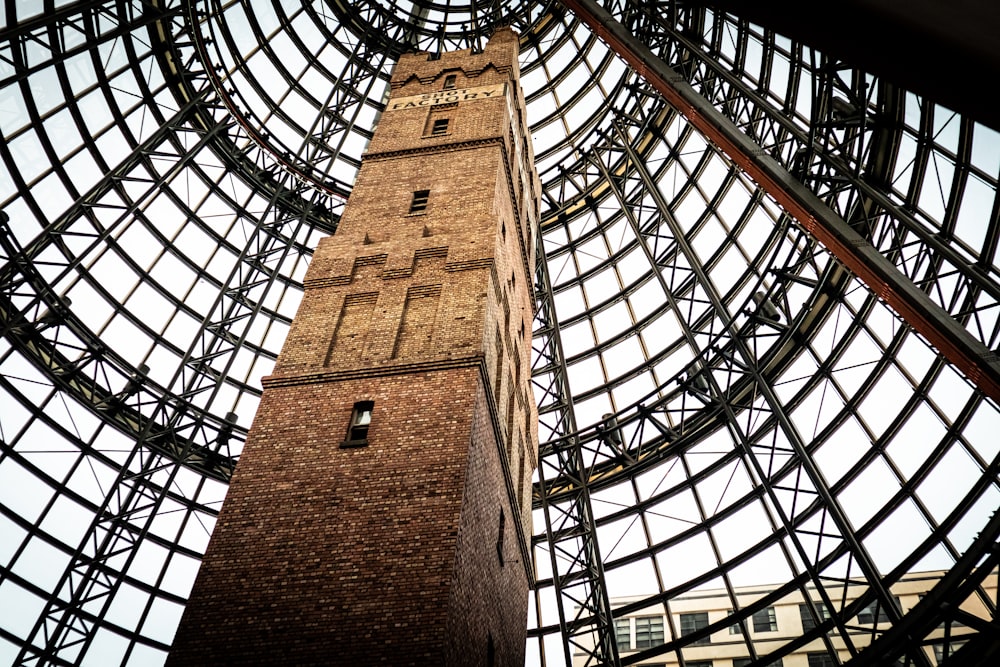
[361,419]
[449,81]
[734,629]
[500,532]
[873,613]
[439,127]
[692,623]
[648,631]
[419,202]
[808,620]
[623,634]
[765,620]
[819,660]
[944,650]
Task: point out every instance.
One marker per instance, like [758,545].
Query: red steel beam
[952,340]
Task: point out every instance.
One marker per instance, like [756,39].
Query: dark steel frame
[833,171]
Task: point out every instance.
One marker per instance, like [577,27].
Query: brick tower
[380,512]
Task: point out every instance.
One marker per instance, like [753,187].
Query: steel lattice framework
[765,351]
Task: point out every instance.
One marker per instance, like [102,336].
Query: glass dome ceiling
[167,168]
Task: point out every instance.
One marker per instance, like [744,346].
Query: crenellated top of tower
[499,54]
[455,119]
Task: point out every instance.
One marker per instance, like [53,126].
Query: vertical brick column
[404,541]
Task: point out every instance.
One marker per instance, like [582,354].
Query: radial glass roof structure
[724,401]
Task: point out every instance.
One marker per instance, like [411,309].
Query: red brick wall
[325,555]
[389,552]
[486,598]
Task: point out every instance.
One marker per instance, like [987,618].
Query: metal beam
[953,341]
[940,49]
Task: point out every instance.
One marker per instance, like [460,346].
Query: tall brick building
[380,513]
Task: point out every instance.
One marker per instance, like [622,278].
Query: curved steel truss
[724,405]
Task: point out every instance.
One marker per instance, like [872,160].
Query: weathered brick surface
[486,598]
[391,553]
[341,556]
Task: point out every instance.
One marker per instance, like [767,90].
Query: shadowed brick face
[410,547]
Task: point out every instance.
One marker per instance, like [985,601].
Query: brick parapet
[500,53]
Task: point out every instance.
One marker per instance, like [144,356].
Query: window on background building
[734,629]
[765,620]
[808,620]
[820,660]
[743,662]
[874,610]
[623,634]
[361,419]
[694,622]
[648,631]
[939,650]
[419,202]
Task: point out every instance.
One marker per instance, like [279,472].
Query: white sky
[201,217]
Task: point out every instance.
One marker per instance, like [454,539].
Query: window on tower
[449,81]
[440,126]
[361,419]
[419,202]
[438,122]
[500,532]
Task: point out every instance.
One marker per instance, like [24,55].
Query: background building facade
[698,617]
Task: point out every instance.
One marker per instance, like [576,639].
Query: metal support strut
[953,341]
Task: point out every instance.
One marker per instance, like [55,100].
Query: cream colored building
[771,628]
